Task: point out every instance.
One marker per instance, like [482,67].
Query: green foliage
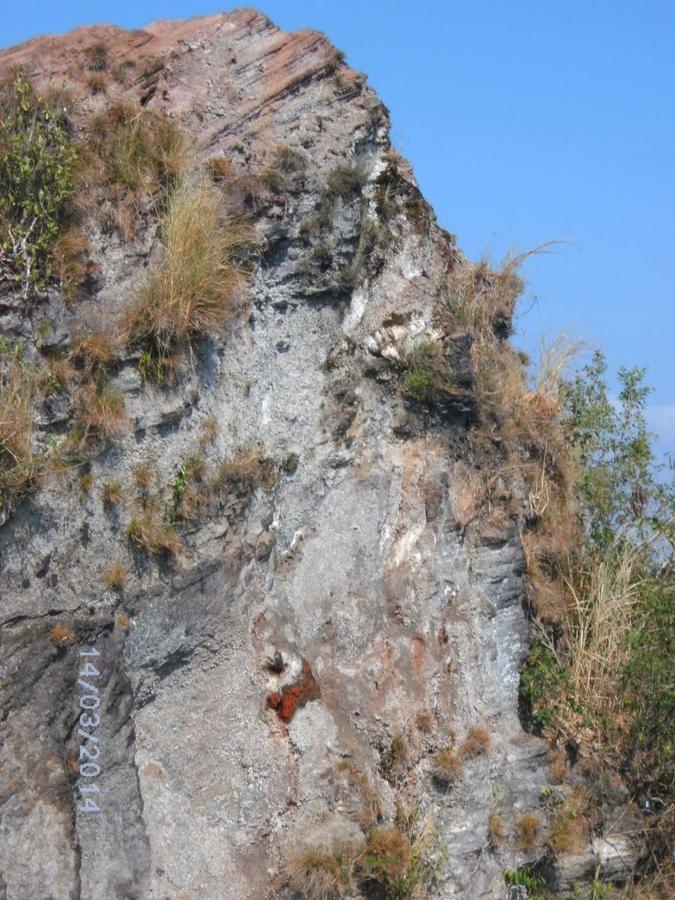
[532,881]
[626,506]
[345,181]
[543,683]
[618,480]
[428,377]
[37,159]
[648,684]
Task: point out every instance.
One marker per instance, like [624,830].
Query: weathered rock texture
[321,635]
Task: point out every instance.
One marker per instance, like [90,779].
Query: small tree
[36,181]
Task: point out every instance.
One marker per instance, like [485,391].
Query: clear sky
[525,121]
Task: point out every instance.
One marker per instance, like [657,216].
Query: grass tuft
[61,636]
[18,465]
[116,576]
[193,289]
[149,533]
[527,831]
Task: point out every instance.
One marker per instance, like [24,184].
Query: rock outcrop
[333,626]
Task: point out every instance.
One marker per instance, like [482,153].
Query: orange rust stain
[293,696]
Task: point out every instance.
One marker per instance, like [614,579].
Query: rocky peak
[306,640]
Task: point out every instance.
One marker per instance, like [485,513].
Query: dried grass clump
[71,262]
[99,416]
[321,873]
[387,856]
[61,636]
[496,830]
[527,831]
[131,155]
[401,860]
[475,743]
[193,289]
[219,168]
[446,766]
[570,830]
[599,623]
[91,354]
[245,473]
[18,465]
[116,576]
[136,148]
[151,534]
[113,492]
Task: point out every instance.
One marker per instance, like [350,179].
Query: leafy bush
[37,160]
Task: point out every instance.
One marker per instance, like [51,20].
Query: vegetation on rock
[37,160]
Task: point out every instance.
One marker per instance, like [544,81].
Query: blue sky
[525,122]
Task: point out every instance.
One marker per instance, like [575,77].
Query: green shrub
[534,882]
[428,377]
[37,160]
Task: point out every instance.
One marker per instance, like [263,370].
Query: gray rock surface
[353,580]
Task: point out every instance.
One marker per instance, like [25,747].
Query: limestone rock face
[327,628]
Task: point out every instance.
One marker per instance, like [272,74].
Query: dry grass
[113,492]
[208,430]
[496,830]
[599,623]
[96,56]
[61,636]
[97,83]
[151,534]
[246,472]
[92,354]
[137,149]
[193,289]
[396,861]
[446,766]
[18,465]
[424,721]
[371,809]
[658,885]
[475,743]
[558,766]
[570,831]
[387,856]
[219,168]
[71,262]
[527,830]
[72,762]
[555,360]
[116,576]
[143,475]
[321,873]
[99,416]
[130,155]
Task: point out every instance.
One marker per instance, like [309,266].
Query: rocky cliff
[262,600]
